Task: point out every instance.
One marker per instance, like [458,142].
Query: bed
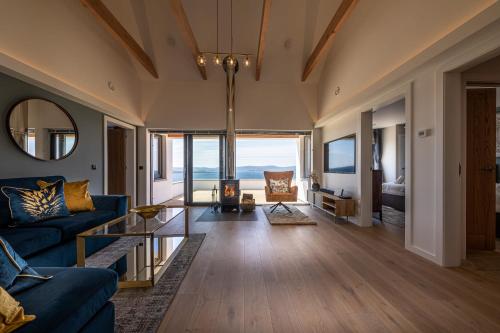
[393,195]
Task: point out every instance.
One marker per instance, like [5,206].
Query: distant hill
[242,172]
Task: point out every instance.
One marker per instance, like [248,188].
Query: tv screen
[340,155]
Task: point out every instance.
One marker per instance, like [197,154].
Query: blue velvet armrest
[117,203]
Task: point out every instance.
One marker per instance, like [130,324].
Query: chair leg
[276,206]
[286,207]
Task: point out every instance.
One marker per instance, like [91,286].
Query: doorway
[120,158]
[400,100]
[388,169]
[482,178]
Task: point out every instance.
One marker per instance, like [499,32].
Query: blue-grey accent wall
[77,166]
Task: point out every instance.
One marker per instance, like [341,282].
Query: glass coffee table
[148,248]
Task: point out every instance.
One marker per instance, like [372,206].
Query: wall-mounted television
[340,155]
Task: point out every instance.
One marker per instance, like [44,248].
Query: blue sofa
[52,243]
[75,299]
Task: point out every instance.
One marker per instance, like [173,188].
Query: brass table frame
[156,270]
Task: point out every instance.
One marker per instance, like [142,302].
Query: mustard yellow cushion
[76,195]
[11,313]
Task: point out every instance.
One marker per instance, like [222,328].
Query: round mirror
[42,129]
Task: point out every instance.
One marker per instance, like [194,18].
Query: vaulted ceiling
[295,26]
[60,44]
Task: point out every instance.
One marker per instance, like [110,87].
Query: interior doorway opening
[389,164]
[482,166]
[385,179]
[481,151]
[120,159]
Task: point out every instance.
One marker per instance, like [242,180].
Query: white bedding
[399,189]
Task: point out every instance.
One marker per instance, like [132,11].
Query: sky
[341,153]
[249,152]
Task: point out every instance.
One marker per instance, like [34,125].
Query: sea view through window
[253,157]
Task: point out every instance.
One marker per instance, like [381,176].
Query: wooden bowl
[147,212]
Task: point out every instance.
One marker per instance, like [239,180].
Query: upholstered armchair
[279,189]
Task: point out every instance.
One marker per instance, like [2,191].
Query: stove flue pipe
[230,65]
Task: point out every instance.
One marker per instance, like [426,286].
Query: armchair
[288,195]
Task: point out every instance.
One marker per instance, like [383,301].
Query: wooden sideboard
[332,204]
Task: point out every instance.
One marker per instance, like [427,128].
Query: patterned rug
[282,217]
[393,216]
[142,309]
[209,216]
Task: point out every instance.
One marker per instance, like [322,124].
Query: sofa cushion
[72,225]
[76,195]
[29,206]
[69,300]
[29,183]
[15,273]
[28,241]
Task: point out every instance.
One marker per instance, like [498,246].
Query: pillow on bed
[400,180]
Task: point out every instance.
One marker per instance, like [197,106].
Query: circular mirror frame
[7,123]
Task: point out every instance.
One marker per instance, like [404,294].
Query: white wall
[426,234]
[389,154]
[166,189]
[381,36]
[343,126]
[60,45]
[202,104]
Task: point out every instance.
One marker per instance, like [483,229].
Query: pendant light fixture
[232,58]
[217,60]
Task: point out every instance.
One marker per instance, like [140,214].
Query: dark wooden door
[377,191]
[117,161]
[480,184]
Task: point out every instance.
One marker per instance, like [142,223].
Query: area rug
[393,216]
[141,310]
[282,217]
[209,216]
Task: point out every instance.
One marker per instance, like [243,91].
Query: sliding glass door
[205,166]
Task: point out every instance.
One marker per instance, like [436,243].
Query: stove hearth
[229,194]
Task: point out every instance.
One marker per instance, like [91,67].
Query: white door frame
[404,91]
[365,169]
[131,156]
[450,96]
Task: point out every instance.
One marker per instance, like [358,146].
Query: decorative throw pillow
[11,313]
[279,185]
[76,195]
[28,206]
[15,274]
[400,180]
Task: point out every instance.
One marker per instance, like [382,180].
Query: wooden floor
[254,277]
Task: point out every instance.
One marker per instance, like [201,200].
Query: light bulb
[231,62]
[246,62]
[201,60]
[217,60]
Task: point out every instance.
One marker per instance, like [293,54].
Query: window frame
[160,141]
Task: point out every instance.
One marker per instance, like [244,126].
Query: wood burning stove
[230,187]
[229,194]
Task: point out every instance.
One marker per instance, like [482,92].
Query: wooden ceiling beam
[187,33]
[105,16]
[343,12]
[264,23]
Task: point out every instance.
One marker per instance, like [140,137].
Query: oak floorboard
[333,277]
